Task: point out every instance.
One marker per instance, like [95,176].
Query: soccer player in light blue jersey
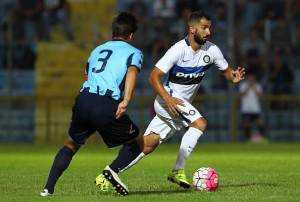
[111,75]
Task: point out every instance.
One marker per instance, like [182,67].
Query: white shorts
[166,124]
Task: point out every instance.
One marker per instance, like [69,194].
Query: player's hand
[172,104]
[121,108]
[239,74]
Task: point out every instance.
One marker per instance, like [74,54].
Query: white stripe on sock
[137,159]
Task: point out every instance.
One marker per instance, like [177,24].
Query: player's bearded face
[202,31]
[198,39]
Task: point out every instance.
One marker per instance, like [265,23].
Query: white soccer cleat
[115,181]
[45,193]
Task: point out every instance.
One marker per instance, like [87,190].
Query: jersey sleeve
[219,59]
[136,60]
[170,58]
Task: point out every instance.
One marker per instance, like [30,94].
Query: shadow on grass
[159,192]
[250,184]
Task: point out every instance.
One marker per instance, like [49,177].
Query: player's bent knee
[151,141]
[72,145]
[200,124]
[140,141]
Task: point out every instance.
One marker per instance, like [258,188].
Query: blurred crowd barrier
[46,119]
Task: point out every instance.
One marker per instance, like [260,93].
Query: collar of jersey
[186,39]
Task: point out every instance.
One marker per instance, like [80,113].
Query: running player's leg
[189,141]
[61,162]
[154,134]
[79,132]
[197,124]
[128,156]
[114,133]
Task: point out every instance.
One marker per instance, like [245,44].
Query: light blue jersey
[107,67]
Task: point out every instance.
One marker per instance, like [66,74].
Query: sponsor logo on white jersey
[192,75]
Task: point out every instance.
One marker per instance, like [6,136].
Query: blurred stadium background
[44,45]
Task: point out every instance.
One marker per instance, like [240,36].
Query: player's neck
[195,46]
[120,39]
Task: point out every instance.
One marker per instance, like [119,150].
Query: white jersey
[250,102]
[187,67]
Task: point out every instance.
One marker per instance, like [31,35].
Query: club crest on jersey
[192,112]
[206,59]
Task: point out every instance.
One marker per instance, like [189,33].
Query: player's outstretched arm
[235,76]
[155,82]
[130,82]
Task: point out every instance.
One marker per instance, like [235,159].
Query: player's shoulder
[178,47]
[183,43]
[129,47]
[210,46]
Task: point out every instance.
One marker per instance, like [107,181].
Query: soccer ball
[205,179]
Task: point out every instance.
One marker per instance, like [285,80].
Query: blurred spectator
[281,33]
[139,9]
[252,41]
[182,5]
[251,12]
[164,8]
[28,21]
[58,11]
[250,109]
[122,5]
[273,9]
[3,45]
[24,55]
[161,45]
[220,26]
[253,53]
[281,73]
[143,38]
[254,64]
[292,15]
[5,9]
[180,26]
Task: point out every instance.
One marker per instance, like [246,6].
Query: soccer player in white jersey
[186,63]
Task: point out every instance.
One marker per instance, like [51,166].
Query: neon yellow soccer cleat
[102,183]
[179,177]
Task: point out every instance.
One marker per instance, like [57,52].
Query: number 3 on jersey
[103,60]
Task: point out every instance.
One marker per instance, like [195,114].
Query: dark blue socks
[60,164]
[127,155]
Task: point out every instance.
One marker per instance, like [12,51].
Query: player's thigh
[80,130]
[161,127]
[119,131]
[190,114]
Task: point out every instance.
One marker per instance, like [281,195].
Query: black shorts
[247,117]
[93,112]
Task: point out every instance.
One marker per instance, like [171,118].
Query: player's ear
[130,37]
[192,29]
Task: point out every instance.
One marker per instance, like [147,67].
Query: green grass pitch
[268,172]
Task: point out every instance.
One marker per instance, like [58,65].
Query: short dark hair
[123,25]
[196,16]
